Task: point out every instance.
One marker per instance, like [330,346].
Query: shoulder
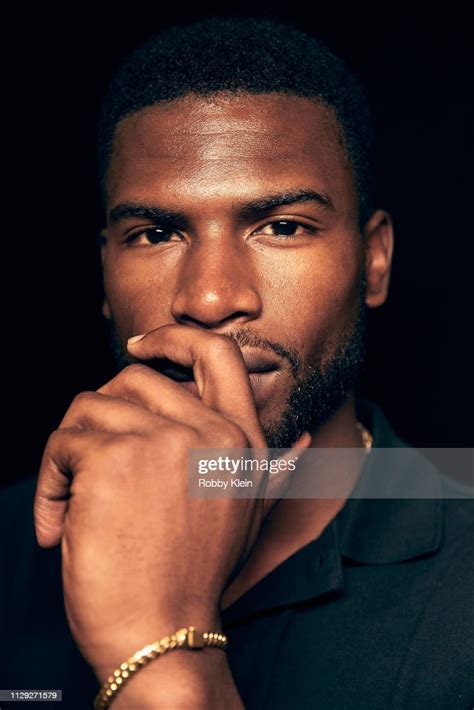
[458,507]
[438,666]
[457,548]
[456,568]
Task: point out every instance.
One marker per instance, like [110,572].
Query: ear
[103,247]
[378,240]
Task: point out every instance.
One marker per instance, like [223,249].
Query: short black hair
[242,55]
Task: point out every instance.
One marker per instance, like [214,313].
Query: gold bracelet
[188,637]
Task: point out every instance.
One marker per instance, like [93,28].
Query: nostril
[213,324]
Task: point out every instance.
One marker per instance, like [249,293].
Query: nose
[217,286]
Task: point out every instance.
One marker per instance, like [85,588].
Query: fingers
[159,394]
[94,410]
[218,366]
[63,452]
[91,417]
[140,400]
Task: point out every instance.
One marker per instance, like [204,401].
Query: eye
[153,235]
[286,229]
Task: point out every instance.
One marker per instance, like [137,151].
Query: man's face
[239,215]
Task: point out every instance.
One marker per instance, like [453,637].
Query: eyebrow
[129,210]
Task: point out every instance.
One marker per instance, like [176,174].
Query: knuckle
[135,370]
[84,399]
[80,409]
[53,440]
[126,378]
[59,437]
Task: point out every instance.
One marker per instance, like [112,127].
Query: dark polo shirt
[376,613]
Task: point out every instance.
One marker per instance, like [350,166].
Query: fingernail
[135,338]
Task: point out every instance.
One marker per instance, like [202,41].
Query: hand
[141,558]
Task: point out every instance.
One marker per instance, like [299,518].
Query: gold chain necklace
[367,438]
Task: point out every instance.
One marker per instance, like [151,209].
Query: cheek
[137,295]
[312,293]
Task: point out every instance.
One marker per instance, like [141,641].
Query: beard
[322,391]
[318,388]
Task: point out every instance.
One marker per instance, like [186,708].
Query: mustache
[243,337]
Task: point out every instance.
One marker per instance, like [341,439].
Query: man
[241,250]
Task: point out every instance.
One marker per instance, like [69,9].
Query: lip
[261,381]
[256,362]
[262,370]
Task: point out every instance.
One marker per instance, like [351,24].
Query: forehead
[228,144]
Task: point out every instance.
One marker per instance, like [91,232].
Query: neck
[340,430]
[293,523]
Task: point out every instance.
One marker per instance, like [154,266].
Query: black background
[418,70]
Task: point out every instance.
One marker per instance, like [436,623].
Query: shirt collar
[368,531]
[313,571]
[384,531]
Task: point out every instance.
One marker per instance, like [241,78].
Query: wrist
[128,639]
[182,679]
